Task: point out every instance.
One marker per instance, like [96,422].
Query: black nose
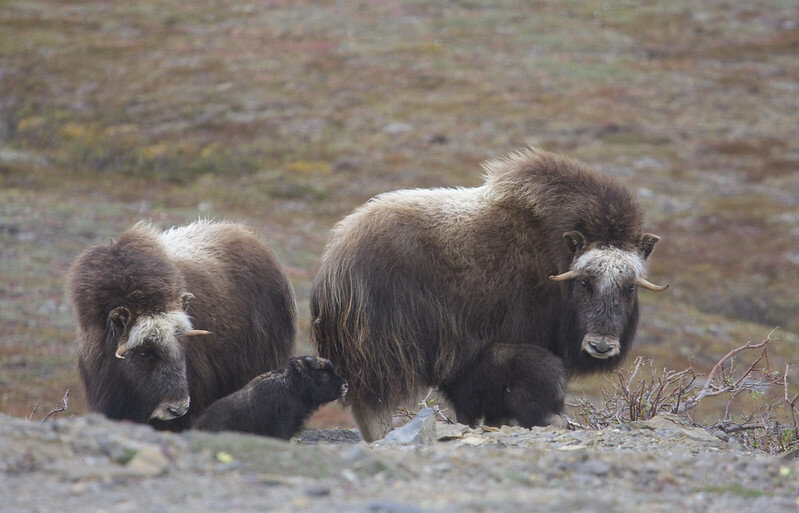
[601,346]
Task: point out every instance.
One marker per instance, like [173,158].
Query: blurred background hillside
[288,114]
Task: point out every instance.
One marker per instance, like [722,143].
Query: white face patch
[163,329]
[610,266]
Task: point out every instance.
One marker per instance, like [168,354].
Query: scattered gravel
[663,465]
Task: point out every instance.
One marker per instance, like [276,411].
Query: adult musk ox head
[155,365]
[131,304]
[603,282]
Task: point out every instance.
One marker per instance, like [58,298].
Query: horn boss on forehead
[611,265]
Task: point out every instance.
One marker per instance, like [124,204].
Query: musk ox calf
[277,403]
[169,322]
[509,382]
[416,284]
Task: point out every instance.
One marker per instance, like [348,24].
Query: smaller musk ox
[170,322]
[416,284]
[509,382]
[279,402]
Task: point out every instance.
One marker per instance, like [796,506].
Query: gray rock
[393,507]
[447,432]
[418,431]
[317,491]
[678,426]
[149,461]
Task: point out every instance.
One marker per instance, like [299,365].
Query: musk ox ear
[118,319]
[648,242]
[575,240]
[322,363]
[314,362]
[185,299]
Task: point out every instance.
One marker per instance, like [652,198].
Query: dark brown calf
[279,402]
[507,383]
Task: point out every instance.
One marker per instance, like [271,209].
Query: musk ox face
[151,360]
[603,284]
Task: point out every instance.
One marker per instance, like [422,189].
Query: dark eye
[584,284]
[632,288]
[146,353]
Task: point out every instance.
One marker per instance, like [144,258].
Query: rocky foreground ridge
[89,463]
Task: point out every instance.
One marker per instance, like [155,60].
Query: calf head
[319,381]
[603,283]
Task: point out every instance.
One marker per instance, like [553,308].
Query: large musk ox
[416,284]
[169,322]
[276,403]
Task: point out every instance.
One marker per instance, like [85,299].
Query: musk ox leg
[373,423]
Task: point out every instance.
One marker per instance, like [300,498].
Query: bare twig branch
[33,411]
[792,403]
[61,406]
[732,427]
[711,388]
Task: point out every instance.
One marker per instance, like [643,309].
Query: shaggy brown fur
[279,402]
[415,284]
[140,295]
[509,382]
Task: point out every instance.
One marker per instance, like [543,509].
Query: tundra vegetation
[289,115]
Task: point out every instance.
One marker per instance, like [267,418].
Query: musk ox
[169,322]
[508,382]
[277,403]
[415,284]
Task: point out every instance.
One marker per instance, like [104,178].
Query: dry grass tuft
[770,423]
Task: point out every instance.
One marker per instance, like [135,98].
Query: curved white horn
[121,350]
[191,333]
[650,286]
[568,275]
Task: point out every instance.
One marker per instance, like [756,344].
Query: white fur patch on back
[610,266]
[455,201]
[162,329]
[191,242]
[439,207]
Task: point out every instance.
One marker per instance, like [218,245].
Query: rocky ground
[88,463]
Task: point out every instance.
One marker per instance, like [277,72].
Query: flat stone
[677,425]
[447,432]
[420,430]
[149,461]
[393,507]
[317,491]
